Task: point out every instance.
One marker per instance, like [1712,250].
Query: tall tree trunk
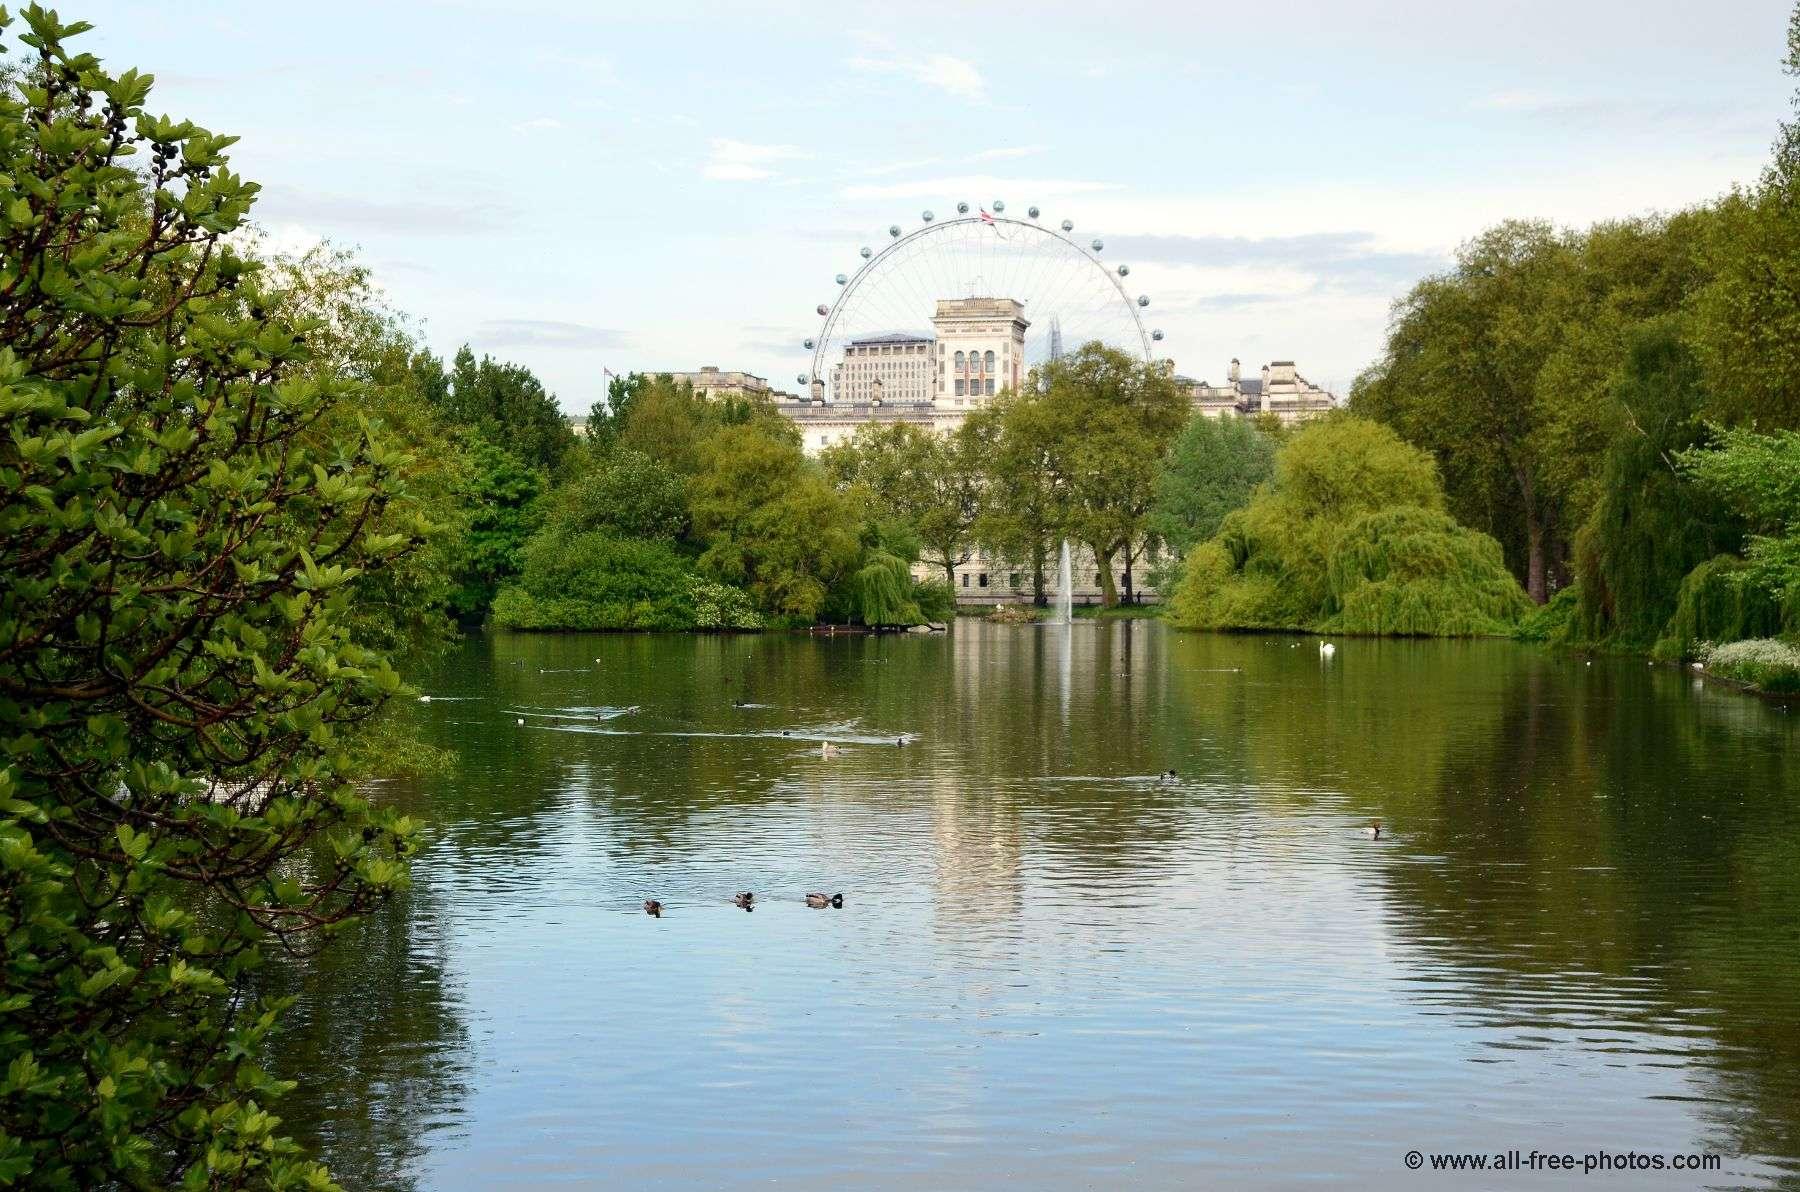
[1038,596]
[1537,584]
[1109,590]
[1130,586]
[950,577]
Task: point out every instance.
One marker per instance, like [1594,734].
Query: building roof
[1251,387]
[894,337]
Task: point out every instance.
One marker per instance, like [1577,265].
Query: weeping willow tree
[1652,524]
[1416,572]
[1350,537]
[1715,604]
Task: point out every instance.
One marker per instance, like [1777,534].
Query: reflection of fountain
[1065,588]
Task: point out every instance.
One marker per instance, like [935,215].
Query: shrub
[1553,621]
[594,581]
[1768,664]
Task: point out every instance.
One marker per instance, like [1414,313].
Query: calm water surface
[1054,970]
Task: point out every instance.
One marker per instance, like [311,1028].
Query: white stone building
[1280,391]
[897,368]
[980,353]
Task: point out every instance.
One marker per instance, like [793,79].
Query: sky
[654,186]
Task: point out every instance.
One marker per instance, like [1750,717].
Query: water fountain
[1065,589]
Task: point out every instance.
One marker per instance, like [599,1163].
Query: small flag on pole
[985,217]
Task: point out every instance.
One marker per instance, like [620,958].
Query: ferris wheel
[1070,295]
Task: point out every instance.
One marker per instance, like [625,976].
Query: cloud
[545,333]
[1622,113]
[540,124]
[340,213]
[741,161]
[1034,188]
[1011,151]
[951,75]
[1345,260]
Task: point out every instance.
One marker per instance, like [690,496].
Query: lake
[1054,968]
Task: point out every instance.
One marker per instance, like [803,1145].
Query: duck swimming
[1168,776]
[820,901]
[827,749]
[1374,829]
[746,900]
[653,908]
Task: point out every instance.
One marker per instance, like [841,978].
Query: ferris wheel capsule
[800,378]
[962,208]
[893,229]
[809,344]
[867,252]
[1098,244]
[1032,211]
[1124,270]
[1143,300]
[823,310]
[1157,335]
[842,279]
[1068,225]
[926,215]
[999,206]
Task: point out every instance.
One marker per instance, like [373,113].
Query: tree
[1505,369]
[771,521]
[1019,510]
[930,482]
[1350,536]
[504,499]
[1759,475]
[627,494]
[591,579]
[1211,469]
[508,405]
[178,669]
[1102,421]
[1652,525]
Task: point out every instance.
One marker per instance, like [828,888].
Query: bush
[1553,621]
[1767,664]
[591,580]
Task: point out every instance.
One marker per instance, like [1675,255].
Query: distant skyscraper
[1055,338]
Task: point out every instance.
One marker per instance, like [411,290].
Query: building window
[990,361]
[965,579]
[981,580]
[1012,581]
[959,360]
[961,386]
[990,386]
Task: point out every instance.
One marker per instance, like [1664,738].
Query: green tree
[590,579]
[1349,536]
[930,482]
[509,406]
[1759,475]
[503,497]
[178,671]
[1211,469]
[626,493]
[1652,525]
[1110,418]
[1020,509]
[771,521]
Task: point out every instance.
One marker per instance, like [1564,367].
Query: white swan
[1327,649]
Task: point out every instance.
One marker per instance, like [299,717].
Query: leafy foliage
[1715,604]
[180,665]
[1350,536]
[932,483]
[503,498]
[590,579]
[772,523]
[1211,469]
[508,405]
[1759,475]
[1651,524]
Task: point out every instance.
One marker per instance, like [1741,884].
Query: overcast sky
[664,185]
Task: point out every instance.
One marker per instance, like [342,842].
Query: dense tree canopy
[1350,536]
[180,660]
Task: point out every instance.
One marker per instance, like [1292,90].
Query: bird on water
[653,908]
[820,901]
[747,900]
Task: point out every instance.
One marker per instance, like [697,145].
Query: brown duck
[820,901]
[747,900]
[653,908]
